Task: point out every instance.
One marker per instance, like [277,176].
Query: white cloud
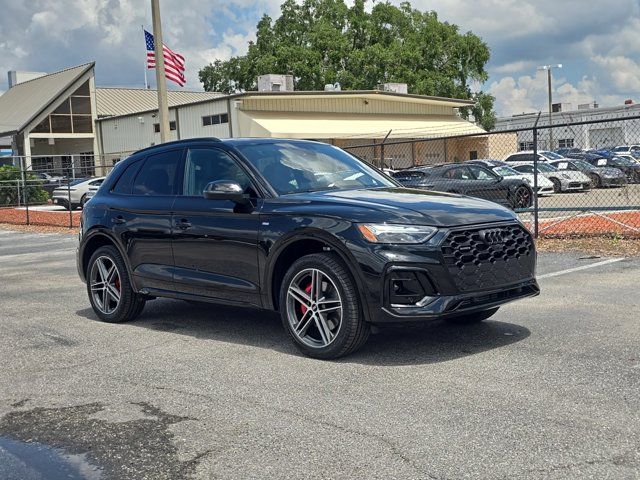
[48,35]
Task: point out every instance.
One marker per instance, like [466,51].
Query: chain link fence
[50,190]
[567,180]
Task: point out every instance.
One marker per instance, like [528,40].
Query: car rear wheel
[472,318]
[523,197]
[109,287]
[320,307]
[557,186]
[596,181]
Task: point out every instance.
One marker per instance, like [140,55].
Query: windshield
[292,167]
[623,161]
[582,165]
[506,171]
[545,168]
[552,155]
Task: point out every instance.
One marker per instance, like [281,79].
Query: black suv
[300,227]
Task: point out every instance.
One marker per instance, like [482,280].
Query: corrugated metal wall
[190,117]
[128,134]
[343,105]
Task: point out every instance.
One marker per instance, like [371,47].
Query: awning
[350,126]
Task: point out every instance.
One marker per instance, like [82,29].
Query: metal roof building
[62,116]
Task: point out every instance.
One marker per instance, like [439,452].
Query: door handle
[183,224]
[119,220]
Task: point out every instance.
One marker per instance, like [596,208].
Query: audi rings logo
[492,236]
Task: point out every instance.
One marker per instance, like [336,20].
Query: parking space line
[583,267]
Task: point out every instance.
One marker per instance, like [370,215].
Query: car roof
[226,141]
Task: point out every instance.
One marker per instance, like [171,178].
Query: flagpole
[163,108]
[146,67]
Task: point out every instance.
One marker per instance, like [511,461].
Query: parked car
[563,151]
[600,176]
[625,149]
[527,156]
[299,227]
[630,157]
[48,178]
[545,186]
[630,168]
[74,194]
[562,181]
[469,179]
[601,153]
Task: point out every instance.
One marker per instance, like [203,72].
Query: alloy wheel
[106,286]
[523,197]
[314,308]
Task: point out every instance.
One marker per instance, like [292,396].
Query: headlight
[383,233]
[565,176]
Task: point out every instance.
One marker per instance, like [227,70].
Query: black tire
[522,197]
[130,304]
[557,186]
[352,332]
[83,200]
[596,181]
[472,318]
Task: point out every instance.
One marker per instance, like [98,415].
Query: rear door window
[124,184]
[157,177]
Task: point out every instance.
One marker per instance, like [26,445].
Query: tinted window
[205,165]
[460,173]
[96,182]
[524,168]
[158,174]
[481,174]
[125,182]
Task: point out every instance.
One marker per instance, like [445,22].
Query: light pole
[548,69]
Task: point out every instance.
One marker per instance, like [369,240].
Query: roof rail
[180,142]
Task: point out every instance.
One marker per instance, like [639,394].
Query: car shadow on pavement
[432,342]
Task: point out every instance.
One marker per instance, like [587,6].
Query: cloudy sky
[595,40]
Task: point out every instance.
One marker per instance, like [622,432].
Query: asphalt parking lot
[549,388]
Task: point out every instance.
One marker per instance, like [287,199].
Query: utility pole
[163,108]
[548,69]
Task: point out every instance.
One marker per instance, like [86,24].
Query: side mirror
[225,190]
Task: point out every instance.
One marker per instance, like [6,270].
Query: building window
[215,119]
[71,116]
[172,126]
[565,143]
[525,146]
[473,155]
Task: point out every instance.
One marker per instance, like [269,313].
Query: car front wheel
[523,197]
[109,287]
[320,307]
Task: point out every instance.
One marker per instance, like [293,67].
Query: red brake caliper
[117,282]
[303,309]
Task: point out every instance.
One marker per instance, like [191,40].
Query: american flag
[173,62]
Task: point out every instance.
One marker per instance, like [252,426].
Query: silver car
[564,181]
[74,194]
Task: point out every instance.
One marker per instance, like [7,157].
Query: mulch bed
[16,216]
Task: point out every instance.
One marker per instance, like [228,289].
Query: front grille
[574,184]
[489,257]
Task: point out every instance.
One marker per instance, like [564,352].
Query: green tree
[324,41]
[12,187]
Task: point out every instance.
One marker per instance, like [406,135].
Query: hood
[542,180]
[400,205]
[576,176]
[608,171]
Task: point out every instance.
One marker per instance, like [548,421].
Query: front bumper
[460,271]
[613,181]
[454,305]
